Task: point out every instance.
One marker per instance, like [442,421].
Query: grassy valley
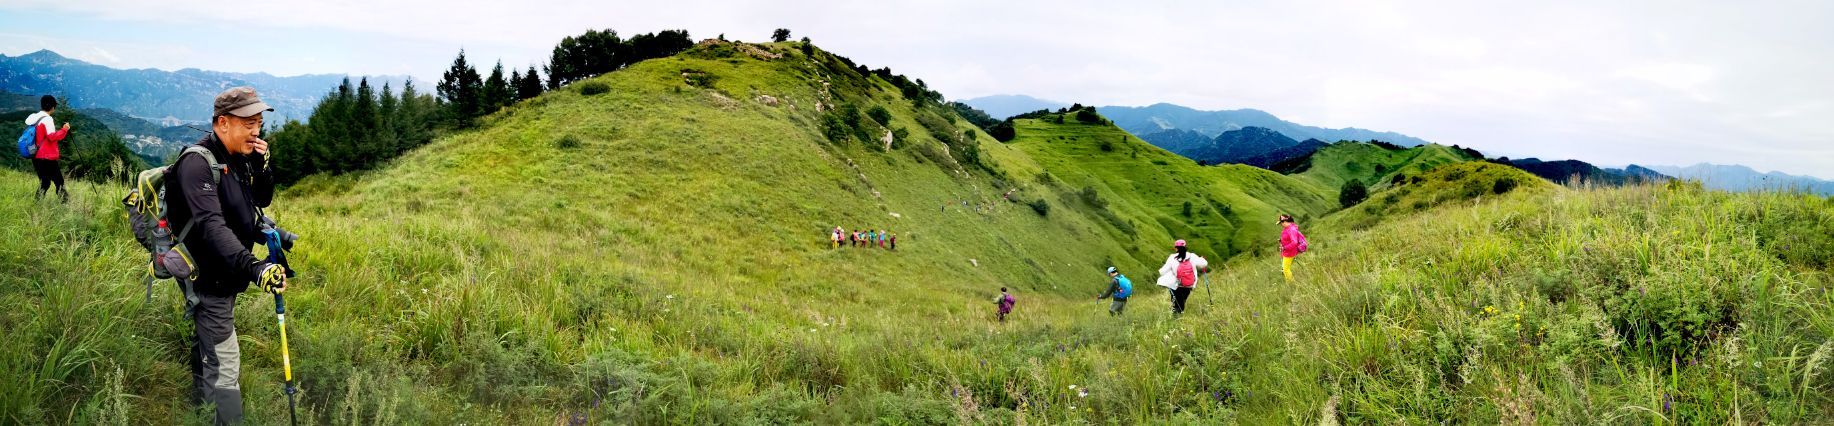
[650,246]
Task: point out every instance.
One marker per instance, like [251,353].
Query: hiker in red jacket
[1292,243]
[44,162]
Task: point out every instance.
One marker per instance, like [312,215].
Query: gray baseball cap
[240,102]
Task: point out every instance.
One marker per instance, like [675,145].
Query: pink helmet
[1179,243]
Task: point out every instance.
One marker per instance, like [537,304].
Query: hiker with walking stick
[1179,274]
[216,195]
[1119,287]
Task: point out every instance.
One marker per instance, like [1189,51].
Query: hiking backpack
[1127,287]
[146,216]
[28,140]
[1187,274]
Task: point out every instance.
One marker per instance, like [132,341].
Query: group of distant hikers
[199,218]
[1180,274]
[866,238]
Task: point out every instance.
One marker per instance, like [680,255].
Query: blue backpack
[1127,287]
[28,140]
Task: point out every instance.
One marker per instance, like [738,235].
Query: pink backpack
[1187,275]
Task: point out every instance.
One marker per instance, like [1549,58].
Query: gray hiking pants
[216,358]
[1116,307]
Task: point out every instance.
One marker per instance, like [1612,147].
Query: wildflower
[1082,393]
[670,297]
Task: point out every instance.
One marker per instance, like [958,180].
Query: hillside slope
[657,253]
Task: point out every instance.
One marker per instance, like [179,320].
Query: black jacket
[228,223]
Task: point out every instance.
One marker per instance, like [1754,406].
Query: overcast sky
[1658,82]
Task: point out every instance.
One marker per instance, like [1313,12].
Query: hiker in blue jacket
[1119,287]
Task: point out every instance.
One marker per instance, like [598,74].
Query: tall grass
[669,266]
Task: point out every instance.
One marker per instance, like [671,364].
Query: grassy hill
[657,253]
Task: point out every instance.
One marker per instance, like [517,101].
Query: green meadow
[657,252]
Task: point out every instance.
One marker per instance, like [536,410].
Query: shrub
[835,127]
[567,142]
[879,114]
[594,88]
[900,137]
[1503,186]
[1353,192]
[1003,132]
[1039,205]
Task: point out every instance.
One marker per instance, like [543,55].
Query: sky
[1612,83]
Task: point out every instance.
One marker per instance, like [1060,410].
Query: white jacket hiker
[1168,274]
[1180,275]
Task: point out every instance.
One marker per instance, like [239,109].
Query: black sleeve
[214,237]
[264,181]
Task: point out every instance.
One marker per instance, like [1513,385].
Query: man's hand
[259,145]
[273,279]
[66,126]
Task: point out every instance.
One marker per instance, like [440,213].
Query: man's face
[235,132]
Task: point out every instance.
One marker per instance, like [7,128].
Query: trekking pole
[1207,298]
[276,254]
[286,361]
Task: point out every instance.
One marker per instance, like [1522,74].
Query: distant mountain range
[1162,116]
[1142,121]
[1741,178]
[1255,146]
[166,97]
[1565,171]
[1003,106]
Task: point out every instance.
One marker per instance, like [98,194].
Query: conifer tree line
[356,128]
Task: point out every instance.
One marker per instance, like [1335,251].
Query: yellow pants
[1286,266]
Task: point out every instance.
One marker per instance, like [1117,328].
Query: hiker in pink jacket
[1292,243]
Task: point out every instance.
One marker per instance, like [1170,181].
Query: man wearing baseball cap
[217,199]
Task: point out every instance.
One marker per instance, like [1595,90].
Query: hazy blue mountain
[1269,159]
[166,97]
[1179,141]
[10,102]
[146,138]
[1163,116]
[1742,178]
[1564,171]
[1003,106]
[1238,145]
[1256,146]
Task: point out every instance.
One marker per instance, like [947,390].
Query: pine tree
[358,153]
[530,86]
[497,92]
[388,125]
[460,88]
[416,116]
